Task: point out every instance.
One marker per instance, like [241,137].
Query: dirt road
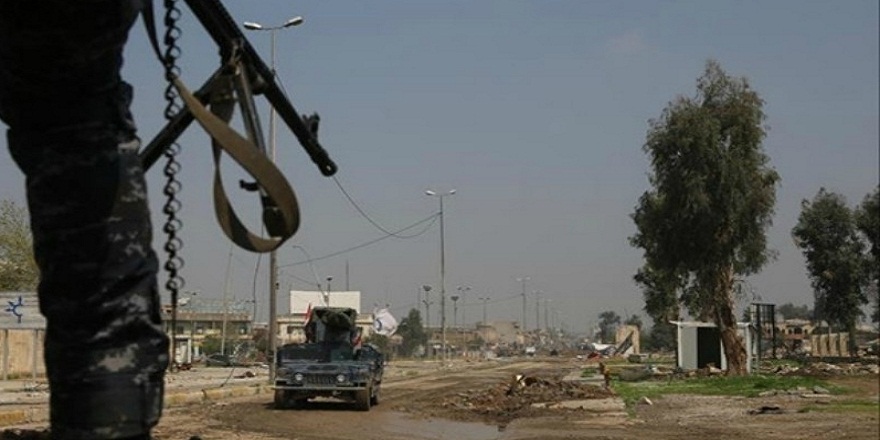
[426,402]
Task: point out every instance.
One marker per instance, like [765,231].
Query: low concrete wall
[21,353]
[830,344]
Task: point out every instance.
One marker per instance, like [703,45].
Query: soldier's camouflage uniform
[71,133]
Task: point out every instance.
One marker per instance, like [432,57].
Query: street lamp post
[485,300]
[454,299]
[523,281]
[442,270]
[327,296]
[273,262]
[461,293]
[427,303]
[538,294]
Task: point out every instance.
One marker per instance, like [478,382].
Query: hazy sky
[535,112]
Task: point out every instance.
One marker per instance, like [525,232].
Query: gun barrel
[223,30]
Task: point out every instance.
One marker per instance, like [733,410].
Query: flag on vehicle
[308,317]
[384,322]
[357,340]
[307,328]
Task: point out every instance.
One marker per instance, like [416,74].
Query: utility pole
[442,272]
[225,303]
[546,322]
[538,309]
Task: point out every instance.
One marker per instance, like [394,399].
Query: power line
[355,204]
[432,218]
[367,217]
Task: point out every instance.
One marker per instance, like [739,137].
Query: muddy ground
[471,402]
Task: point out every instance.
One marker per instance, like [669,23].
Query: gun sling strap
[220,93]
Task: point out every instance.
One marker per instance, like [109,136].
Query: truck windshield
[321,352]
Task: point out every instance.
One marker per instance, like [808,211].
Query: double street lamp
[462,290]
[273,262]
[441,196]
[485,300]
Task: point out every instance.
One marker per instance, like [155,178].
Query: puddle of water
[437,429]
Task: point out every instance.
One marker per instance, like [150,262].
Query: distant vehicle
[330,364]
[221,360]
[531,350]
[601,349]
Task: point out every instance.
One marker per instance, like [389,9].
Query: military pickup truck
[331,363]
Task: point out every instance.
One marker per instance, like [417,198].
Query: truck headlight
[341,378]
[298,377]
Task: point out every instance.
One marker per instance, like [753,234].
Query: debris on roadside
[814,392]
[827,369]
[767,409]
[509,400]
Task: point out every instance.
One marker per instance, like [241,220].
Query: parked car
[220,360]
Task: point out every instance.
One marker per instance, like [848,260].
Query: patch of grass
[589,371]
[747,386]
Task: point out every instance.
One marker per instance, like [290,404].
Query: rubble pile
[826,369]
[511,399]
[815,391]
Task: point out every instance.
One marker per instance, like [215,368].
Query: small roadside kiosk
[699,344]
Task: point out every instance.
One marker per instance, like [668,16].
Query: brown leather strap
[276,188]
[255,163]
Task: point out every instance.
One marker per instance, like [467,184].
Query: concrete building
[500,332]
[699,344]
[200,319]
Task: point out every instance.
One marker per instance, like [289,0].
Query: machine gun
[241,75]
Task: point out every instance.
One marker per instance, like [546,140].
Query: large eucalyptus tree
[837,264]
[702,225]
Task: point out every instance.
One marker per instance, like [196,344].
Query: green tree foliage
[662,337]
[380,341]
[18,271]
[868,223]
[836,261]
[413,333]
[635,320]
[211,344]
[702,225]
[608,322]
[791,311]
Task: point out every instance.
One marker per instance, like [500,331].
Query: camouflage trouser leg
[71,134]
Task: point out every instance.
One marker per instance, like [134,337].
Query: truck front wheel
[374,400]
[363,398]
[281,399]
